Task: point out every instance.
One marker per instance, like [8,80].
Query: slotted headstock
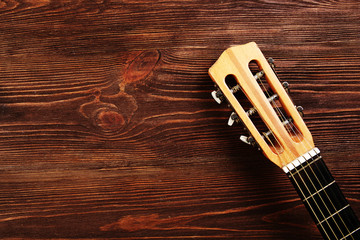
[248,82]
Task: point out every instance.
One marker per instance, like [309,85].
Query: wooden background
[108,129]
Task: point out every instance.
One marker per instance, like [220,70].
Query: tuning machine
[218,96]
[233,118]
[248,140]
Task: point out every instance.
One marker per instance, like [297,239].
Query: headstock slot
[277,127]
[246,104]
[232,83]
[274,100]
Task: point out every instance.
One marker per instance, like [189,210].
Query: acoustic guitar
[249,83]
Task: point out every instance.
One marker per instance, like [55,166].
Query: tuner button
[248,140]
[244,139]
[217,95]
[233,117]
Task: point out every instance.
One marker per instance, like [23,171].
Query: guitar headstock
[248,82]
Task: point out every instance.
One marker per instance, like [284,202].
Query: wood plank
[108,129]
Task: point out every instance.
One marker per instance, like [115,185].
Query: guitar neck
[322,197]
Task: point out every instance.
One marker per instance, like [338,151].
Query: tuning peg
[244,139]
[233,118]
[272,63]
[300,110]
[248,140]
[286,86]
[271,60]
[218,96]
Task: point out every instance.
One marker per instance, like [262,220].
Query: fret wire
[332,215]
[318,191]
[350,233]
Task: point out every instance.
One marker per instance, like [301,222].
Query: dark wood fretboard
[323,198]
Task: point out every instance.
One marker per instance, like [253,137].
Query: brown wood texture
[108,129]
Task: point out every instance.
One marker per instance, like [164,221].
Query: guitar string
[337,211]
[321,187]
[292,125]
[281,115]
[302,193]
[308,165]
[283,118]
[313,196]
[288,160]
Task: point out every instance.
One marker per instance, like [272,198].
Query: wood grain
[108,129]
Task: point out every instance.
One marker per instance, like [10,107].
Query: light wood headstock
[250,85]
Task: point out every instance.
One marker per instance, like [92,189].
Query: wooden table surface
[108,129]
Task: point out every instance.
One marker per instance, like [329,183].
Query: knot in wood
[109,119]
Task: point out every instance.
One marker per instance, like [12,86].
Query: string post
[300,110]
[286,86]
[271,61]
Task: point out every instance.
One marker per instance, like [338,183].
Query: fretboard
[322,197]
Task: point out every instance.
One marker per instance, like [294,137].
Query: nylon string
[290,128]
[289,160]
[281,116]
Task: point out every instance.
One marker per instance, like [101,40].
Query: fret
[352,234]
[318,191]
[322,197]
[341,225]
[326,199]
[332,215]
[312,178]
